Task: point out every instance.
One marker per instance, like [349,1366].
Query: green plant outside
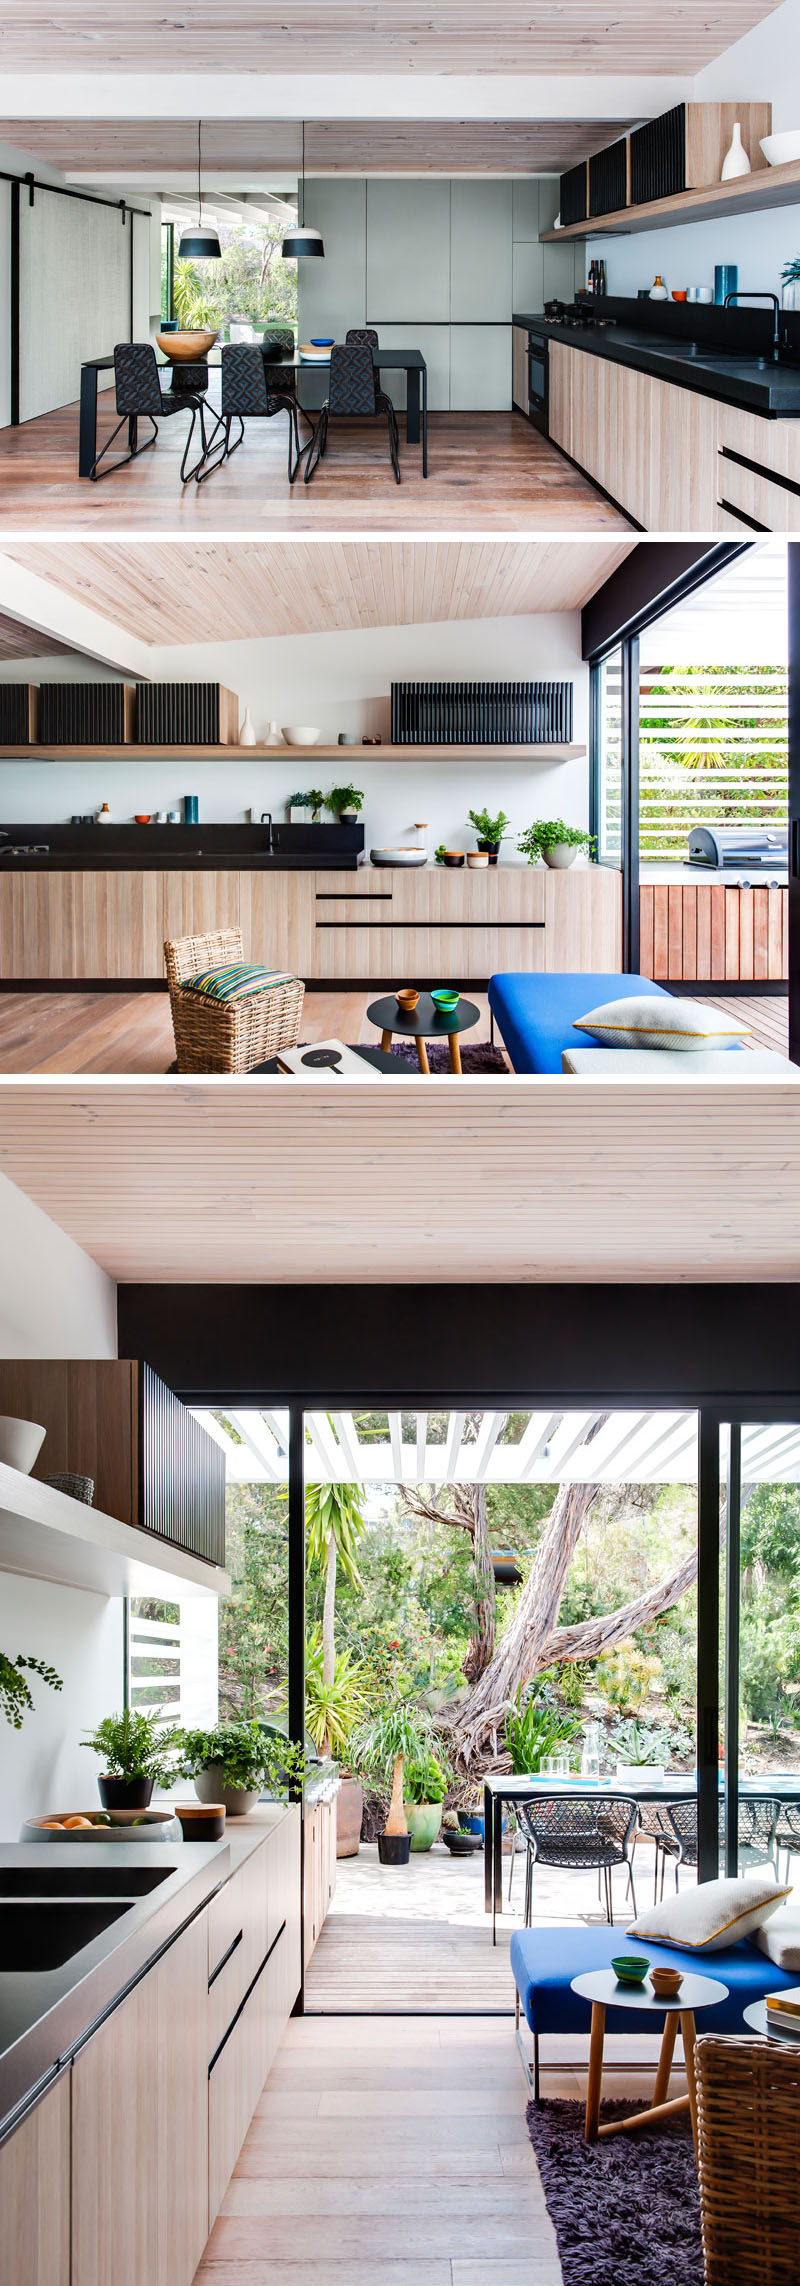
[333,1709]
[534,1731]
[423,1820]
[425,1780]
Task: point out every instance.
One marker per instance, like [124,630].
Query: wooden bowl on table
[407,999]
[191,342]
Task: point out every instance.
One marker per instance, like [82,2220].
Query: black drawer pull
[226,1957]
[742,516]
[756,467]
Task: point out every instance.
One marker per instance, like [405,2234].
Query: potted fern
[490,831]
[345,802]
[137,1755]
[424,1787]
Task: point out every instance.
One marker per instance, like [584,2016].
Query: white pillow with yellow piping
[712,1915]
[642,1022]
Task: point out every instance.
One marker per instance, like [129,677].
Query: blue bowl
[322,341]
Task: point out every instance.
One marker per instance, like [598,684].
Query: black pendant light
[300,241]
[199,244]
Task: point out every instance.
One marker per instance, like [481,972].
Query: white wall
[764,66]
[338,682]
[54,1302]
[44,1765]
[686,256]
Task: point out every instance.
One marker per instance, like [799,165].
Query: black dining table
[408,361]
[502,1792]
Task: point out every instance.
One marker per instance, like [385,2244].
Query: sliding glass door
[760,1642]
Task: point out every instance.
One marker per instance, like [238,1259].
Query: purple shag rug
[482,1057]
[623,2210]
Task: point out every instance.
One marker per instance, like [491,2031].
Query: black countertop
[46,2013]
[106,860]
[742,377]
[54,845]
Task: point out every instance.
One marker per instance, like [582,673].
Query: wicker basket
[227,1035]
[748,2101]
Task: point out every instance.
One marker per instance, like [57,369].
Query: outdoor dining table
[502,1792]
[408,361]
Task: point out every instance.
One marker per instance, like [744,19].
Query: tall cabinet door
[115,2128]
[34,2195]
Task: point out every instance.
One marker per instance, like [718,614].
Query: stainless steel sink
[35,1936]
[82,1881]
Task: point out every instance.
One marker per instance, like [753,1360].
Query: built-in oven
[538,350]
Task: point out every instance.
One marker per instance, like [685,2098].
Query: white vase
[658,291]
[247,736]
[790,298]
[736,161]
[274,736]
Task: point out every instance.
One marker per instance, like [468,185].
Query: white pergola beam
[571,1434]
[349,1446]
[488,1433]
[253,1428]
[541,1427]
[395,1441]
[421,1445]
[452,1447]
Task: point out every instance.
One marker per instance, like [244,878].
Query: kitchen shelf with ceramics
[746,194]
[46,1535]
[481,750]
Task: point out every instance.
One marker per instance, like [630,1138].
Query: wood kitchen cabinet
[650,445]
[559,394]
[114,1420]
[35,2195]
[140,2130]
[519,367]
[73,927]
[439,923]
[319,1881]
[276,917]
[194,903]
[269,1885]
[713,932]
[753,494]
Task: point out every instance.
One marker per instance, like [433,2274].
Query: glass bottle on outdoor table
[590,1757]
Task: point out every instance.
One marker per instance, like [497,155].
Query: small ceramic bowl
[666,1982]
[630,1968]
[477,857]
[445,999]
[407,999]
[679,293]
[454,857]
[141,817]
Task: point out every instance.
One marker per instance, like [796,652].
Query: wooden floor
[127,1032]
[388,2149]
[488,472]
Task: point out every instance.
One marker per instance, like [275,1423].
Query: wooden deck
[488,472]
[130,1032]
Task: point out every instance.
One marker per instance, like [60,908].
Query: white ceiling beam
[395,1441]
[339,95]
[50,611]
[259,1440]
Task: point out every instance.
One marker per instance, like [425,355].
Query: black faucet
[760,294]
[266,819]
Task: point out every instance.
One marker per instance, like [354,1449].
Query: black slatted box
[17,714]
[178,714]
[83,714]
[481,714]
[608,179]
[658,157]
[573,195]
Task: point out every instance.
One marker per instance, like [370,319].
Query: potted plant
[639,1749]
[490,831]
[397,1736]
[297,806]
[332,1711]
[137,1753]
[424,1787]
[229,1764]
[345,803]
[556,842]
[316,802]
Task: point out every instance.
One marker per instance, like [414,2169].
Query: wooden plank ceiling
[233,591]
[255,150]
[19,642]
[371,35]
[180,1181]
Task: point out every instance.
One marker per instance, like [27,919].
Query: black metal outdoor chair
[582,1832]
[353,394]
[254,388]
[787,1832]
[140,396]
[757,1830]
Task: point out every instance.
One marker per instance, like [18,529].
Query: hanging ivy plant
[15,1695]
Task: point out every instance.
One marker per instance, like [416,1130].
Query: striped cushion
[238,982]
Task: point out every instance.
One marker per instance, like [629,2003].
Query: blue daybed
[543,1962]
[535,1015]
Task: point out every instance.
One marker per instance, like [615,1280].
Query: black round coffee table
[426,1022]
[373,1056]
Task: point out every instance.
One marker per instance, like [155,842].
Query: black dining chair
[254,388]
[139,396]
[579,1832]
[353,394]
[757,1828]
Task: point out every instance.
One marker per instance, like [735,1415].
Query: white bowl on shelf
[20,1442]
[402,856]
[301,734]
[780,150]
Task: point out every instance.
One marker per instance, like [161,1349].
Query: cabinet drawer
[237,2078]
[237,1943]
[752,499]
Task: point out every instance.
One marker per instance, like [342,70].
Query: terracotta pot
[349,1813]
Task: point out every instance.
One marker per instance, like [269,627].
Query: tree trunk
[525,1646]
[396,1815]
[482,1639]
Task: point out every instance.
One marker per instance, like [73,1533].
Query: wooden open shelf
[46,1535]
[345,755]
[748,194]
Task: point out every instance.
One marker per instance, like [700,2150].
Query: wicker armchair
[748,2116]
[227,1035]
[579,1831]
